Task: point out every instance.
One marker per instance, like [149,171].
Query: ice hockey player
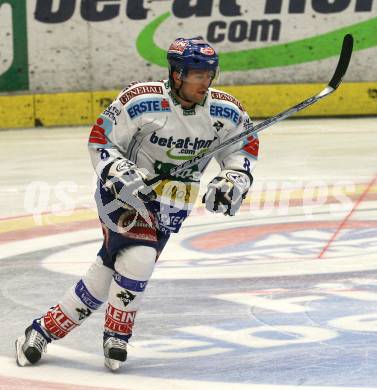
[149,128]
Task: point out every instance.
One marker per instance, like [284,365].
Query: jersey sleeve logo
[100,131]
[112,112]
[140,90]
[251,146]
[225,111]
[224,96]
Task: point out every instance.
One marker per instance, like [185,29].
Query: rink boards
[81,108]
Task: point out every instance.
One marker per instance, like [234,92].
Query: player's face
[196,85]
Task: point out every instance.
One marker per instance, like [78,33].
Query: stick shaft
[344,59]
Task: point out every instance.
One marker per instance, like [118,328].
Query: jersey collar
[186,111]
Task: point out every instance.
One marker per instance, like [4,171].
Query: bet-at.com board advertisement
[84,45]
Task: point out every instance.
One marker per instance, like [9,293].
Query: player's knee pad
[136,262]
[97,280]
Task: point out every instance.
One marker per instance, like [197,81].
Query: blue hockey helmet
[185,54]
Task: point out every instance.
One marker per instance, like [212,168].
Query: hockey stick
[340,71]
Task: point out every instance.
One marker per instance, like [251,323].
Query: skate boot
[29,348]
[115,351]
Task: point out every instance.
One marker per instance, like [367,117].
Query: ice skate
[115,351]
[29,348]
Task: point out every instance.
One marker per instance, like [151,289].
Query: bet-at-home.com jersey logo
[181,148]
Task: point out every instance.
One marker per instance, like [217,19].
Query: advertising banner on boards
[85,45]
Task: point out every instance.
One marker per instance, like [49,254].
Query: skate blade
[20,356]
[112,365]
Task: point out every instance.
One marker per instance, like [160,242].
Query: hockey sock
[79,302]
[134,267]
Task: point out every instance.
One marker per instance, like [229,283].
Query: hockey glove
[226,192]
[126,181]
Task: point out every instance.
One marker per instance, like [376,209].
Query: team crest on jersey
[218,125]
[148,105]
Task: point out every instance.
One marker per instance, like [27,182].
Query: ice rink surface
[282,296]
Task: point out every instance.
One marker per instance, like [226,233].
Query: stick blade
[344,60]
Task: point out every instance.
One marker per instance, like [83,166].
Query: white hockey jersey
[145,124]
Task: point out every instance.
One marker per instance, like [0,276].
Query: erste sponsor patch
[225,111]
[147,106]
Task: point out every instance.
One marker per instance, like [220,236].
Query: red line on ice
[348,216]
